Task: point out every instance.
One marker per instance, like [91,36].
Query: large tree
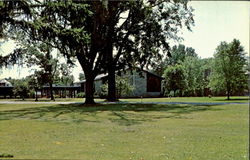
[142,38]
[91,30]
[228,72]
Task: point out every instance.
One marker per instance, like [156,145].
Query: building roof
[98,77]
[7,83]
[59,86]
[154,74]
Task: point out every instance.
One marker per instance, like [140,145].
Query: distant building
[6,88]
[145,83]
[60,91]
[5,83]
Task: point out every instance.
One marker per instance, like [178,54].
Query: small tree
[33,84]
[174,78]
[193,72]
[39,54]
[228,73]
[21,88]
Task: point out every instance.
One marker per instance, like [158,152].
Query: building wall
[98,84]
[139,81]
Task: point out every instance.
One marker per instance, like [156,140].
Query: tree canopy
[228,71]
[178,54]
[174,79]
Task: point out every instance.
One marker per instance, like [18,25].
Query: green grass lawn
[243,99]
[120,132]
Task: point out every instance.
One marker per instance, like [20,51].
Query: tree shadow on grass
[234,99]
[122,114]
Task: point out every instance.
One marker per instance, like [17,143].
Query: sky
[215,21]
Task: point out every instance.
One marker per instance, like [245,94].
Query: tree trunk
[228,92]
[111,84]
[111,71]
[89,90]
[51,92]
[36,95]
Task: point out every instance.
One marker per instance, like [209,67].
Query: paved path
[124,102]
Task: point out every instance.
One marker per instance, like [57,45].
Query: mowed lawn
[124,132]
[237,99]
[241,99]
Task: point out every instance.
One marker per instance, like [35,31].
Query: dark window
[153,83]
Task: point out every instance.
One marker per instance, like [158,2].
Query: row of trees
[102,35]
[188,75]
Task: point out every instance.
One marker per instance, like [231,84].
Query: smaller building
[5,83]
[6,88]
[59,91]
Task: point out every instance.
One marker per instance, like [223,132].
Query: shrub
[123,88]
[4,155]
[80,95]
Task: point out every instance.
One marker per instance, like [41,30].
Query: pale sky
[215,21]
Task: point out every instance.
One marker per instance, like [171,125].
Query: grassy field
[243,99]
[132,132]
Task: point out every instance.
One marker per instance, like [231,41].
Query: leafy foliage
[228,72]
[177,55]
[80,95]
[21,88]
[66,77]
[124,88]
[10,11]
[81,76]
[193,72]
[174,79]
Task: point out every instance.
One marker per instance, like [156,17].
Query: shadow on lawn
[234,99]
[123,114]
